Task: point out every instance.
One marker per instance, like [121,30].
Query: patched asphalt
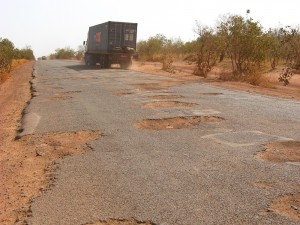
[206,174]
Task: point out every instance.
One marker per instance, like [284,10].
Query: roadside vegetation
[11,57]
[68,53]
[241,46]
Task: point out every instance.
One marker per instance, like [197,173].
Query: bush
[209,50]
[25,53]
[157,48]
[285,75]
[6,55]
[167,64]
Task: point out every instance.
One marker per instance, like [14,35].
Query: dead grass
[16,63]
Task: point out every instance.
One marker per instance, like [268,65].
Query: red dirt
[288,205]
[175,123]
[280,152]
[27,163]
[184,72]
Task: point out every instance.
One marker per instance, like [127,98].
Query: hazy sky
[46,25]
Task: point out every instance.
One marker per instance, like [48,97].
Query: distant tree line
[8,52]
[242,41]
[68,53]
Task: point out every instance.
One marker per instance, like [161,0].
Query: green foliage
[6,55]
[210,49]
[158,47]
[79,54]
[63,53]
[25,53]
[191,47]
[275,47]
[68,53]
[245,44]
[291,41]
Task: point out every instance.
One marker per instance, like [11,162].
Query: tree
[245,44]
[6,55]
[209,50]
[291,40]
[154,46]
[25,53]
[80,52]
[64,53]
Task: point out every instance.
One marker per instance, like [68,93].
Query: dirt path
[15,93]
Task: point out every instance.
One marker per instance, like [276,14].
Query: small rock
[40,153]
[269,210]
[294,207]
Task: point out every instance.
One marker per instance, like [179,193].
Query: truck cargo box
[111,37]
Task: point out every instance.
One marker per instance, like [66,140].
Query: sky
[46,25]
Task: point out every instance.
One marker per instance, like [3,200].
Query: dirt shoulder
[185,72]
[28,162]
[15,93]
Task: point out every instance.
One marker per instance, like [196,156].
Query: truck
[111,43]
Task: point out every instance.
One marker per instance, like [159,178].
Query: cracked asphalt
[206,174]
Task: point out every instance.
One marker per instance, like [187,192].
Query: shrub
[285,75]
[209,50]
[6,55]
[167,64]
[245,44]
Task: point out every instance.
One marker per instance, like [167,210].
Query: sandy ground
[184,72]
[27,164]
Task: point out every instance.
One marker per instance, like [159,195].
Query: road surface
[205,173]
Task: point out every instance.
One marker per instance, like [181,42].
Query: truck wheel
[107,63]
[126,65]
[90,61]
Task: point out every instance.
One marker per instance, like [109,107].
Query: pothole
[176,122]
[166,104]
[67,92]
[288,205]
[59,99]
[158,86]
[120,222]
[211,93]
[159,97]
[81,78]
[264,184]
[280,152]
[29,170]
[127,92]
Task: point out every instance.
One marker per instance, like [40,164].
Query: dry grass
[15,64]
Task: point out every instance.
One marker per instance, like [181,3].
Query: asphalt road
[206,174]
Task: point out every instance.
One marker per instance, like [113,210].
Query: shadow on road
[84,67]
